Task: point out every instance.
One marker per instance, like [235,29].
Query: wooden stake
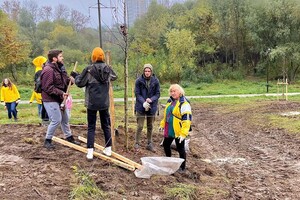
[112,105]
[132,92]
[84,150]
[118,156]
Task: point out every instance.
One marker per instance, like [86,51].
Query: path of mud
[229,158]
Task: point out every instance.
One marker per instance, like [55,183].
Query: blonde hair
[178,88]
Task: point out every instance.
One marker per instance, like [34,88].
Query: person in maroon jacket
[55,81]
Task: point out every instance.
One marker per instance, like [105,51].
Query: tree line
[198,41]
[203,40]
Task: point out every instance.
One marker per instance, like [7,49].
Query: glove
[146,105]
[74,74]
[161,129]
[181,139]
[18,101]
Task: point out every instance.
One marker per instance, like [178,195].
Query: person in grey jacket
[96,80]
[147,92]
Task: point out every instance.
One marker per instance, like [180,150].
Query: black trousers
[105,125]
[180,148]
[44,114]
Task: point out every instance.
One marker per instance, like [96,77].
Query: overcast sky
[87,7]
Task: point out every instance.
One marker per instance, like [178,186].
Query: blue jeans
[40,106]
[11,109]
[57,117]
[105,125]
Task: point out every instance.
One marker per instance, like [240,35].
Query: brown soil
[229,158]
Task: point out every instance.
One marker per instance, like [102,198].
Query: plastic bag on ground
[158,166]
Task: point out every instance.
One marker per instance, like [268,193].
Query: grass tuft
[181,191]
[85,187]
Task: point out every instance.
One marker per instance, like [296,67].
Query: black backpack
[38,82]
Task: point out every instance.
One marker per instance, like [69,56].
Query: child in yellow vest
[38,97]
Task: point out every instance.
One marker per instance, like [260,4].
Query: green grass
[217,88]
[85,187]
[28,114]
[181,191]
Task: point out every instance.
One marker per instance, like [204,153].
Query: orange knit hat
[98,55]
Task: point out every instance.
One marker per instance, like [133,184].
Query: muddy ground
[231,157]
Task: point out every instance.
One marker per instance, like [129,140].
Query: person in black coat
[96,80]
[147,92]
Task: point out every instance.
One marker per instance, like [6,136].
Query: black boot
[48,144]
[72,140]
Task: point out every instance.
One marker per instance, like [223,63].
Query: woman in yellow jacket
[10,97]
[38,97]
[176,122]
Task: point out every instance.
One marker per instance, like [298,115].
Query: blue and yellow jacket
[181,117]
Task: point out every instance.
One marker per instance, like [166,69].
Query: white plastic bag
[158,166]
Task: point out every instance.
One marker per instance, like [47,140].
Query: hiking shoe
[72,140]
[150,147]
[136,146]
[89,155]
[48,144]
[181,171]
[107,151]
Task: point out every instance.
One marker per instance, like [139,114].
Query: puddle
[292,113]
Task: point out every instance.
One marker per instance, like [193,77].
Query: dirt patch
[229,158]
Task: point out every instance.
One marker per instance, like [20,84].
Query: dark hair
[53,54]
[9,83]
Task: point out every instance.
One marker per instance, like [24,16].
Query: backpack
[38,82]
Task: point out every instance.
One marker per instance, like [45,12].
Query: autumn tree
[13,51]
[181,58]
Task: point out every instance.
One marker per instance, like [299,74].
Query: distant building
[137,8]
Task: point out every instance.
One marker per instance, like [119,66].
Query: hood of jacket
[38,62]
[100,71]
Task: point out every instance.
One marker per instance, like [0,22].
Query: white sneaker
[107,151]
[90,152]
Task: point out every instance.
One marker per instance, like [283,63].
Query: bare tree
[12,8]
[124,33]
[32,7]
[78,20]
[61,12]
[45,13]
